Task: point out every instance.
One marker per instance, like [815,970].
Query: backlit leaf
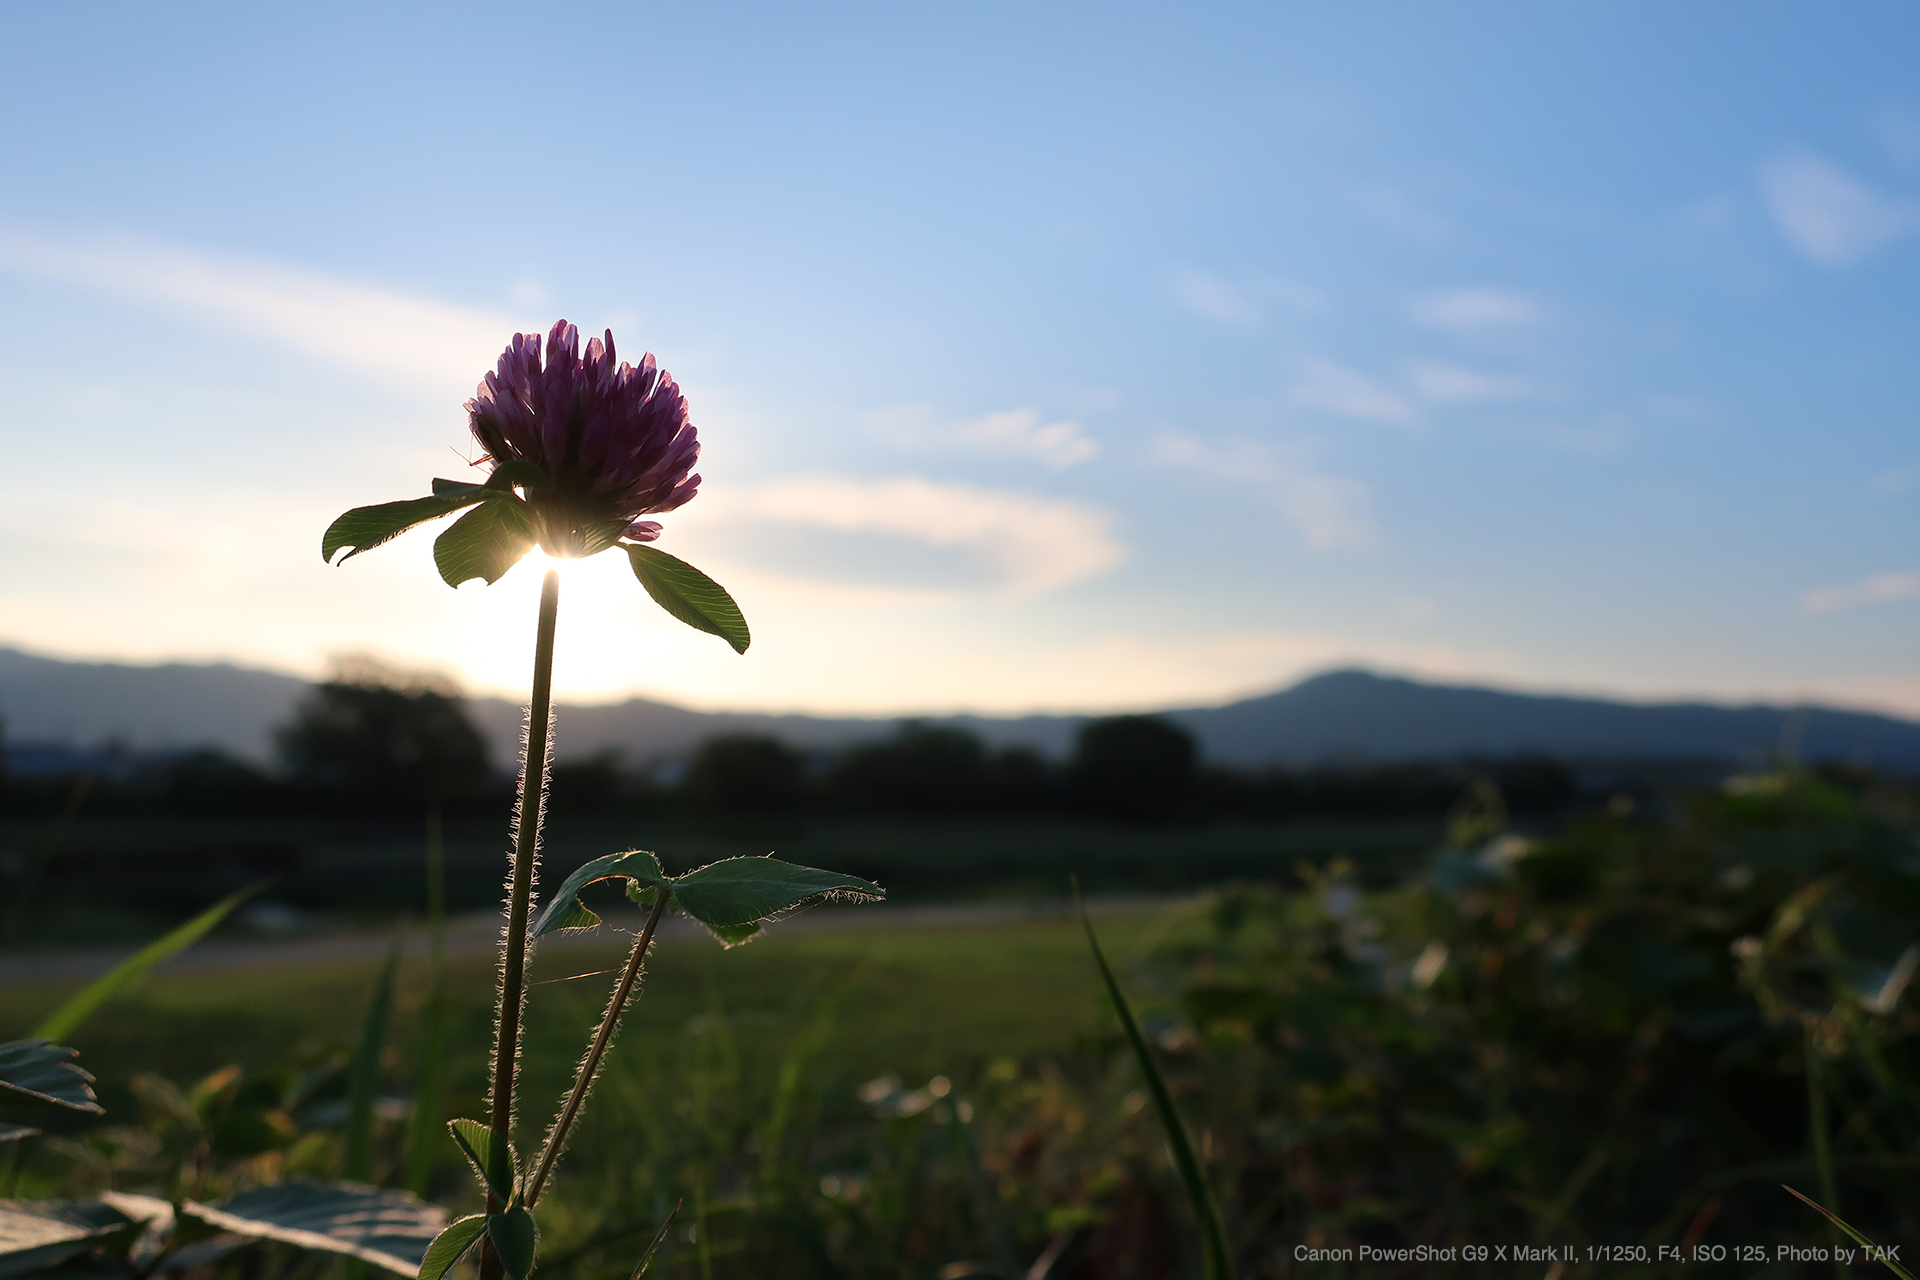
[389,1229]
[38,1074]
[565,910]
[484,543]
[689,595]
[365,528]
[743,891]
[516,1237]
[493,1162]
[451,1245]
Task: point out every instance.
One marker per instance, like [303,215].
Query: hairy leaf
[132,971]
[451,1245]
[15,1132]
[565,910]
[493,1162]
[38,1074]
[689,595]
[484,543]
[389,1229]
[743,891]
[365,528]
[516,1237]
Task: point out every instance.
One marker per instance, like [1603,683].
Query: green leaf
[131,972]
[1218,1262]
[689,595]
[38,1234]
[451,1245]
[364,1080]
[493,1163]
[365,528]
[516,1238]
[35,1073]
[730,936]
[566,911]
[736,892]
[389,1229]
[484,543]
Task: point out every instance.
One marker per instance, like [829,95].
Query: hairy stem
[590,1065]
[526,855]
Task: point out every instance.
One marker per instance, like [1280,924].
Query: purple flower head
[613,442]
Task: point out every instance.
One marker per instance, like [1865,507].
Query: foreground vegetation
[1629,1034]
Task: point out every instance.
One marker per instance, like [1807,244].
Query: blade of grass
[364,1082]
[423,1133]
[60,1025]
[646,1259]
[1218,1263]
[1876,1254]
[1820,1138]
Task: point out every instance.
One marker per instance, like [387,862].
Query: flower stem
[590,1065]
[526,856]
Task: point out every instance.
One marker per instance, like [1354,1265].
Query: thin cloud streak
[1878,589]
[1018,433]
[1828,215]
[1445,383]
[1349,393]
[434,345]
[1331,512]
[1040,544]
[1473,310]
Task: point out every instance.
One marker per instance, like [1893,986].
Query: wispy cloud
[1039,544]
[1330,511]
[1830,216]
[1243,303]
[1020,433]
[1215,299]
[1323,384]
[1875,590]
[1446,383]
[344,322]
[1472,310]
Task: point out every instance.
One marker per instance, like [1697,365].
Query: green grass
[926,1001]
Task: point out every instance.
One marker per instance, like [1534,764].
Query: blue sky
[1045,357]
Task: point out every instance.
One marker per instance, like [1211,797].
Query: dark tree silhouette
[385,744]
[923,768]
[744,773]
[1134,768]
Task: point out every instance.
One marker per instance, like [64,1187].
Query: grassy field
[919,1001]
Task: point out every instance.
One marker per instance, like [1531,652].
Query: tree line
[372,747]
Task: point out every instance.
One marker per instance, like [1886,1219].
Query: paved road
[478,934]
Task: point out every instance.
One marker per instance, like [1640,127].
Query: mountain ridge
[1340,715]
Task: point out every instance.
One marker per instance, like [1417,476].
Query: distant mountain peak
[1346,714]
